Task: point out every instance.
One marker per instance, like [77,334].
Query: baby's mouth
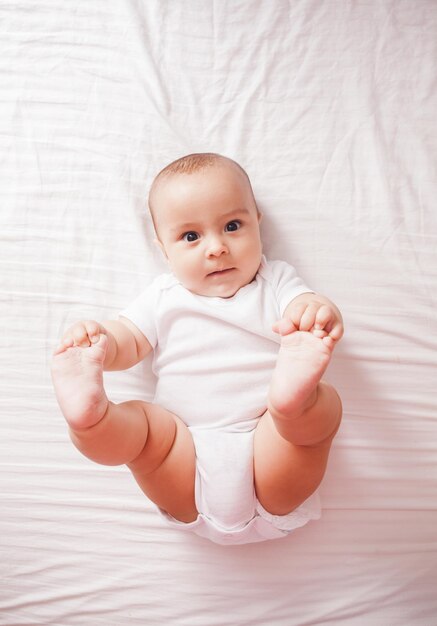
[221,272]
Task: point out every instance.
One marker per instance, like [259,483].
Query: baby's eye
[190,236]
[231,226]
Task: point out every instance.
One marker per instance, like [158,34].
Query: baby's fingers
[337,331]
[86,333]
[324,316]
[80,336]
[93,330]
[327,319]
[307,321]
[284,326]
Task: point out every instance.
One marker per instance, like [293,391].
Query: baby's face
[208,228]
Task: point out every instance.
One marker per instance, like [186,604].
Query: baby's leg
[155,444]
[293,438]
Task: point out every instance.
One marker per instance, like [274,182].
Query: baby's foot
[77,375]
[302,360]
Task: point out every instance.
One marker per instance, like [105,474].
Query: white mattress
[331,108]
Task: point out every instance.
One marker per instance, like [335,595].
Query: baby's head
[207,223]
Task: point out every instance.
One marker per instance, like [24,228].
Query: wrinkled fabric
[330,107]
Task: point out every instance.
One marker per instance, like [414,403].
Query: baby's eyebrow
[236,212]
[183,227]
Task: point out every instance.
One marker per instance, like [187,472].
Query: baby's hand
[321,318]
[81,334]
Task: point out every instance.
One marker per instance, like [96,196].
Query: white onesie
[214,358]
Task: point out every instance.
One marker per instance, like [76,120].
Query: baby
[237,439]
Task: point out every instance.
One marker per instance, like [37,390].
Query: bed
[331,107]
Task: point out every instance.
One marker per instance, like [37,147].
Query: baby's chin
[218,290]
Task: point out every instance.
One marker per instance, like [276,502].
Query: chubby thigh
[274,472]
[229,512]
[166,467]
[185,470]
[285,474]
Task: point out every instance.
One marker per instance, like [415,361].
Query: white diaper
[229,512]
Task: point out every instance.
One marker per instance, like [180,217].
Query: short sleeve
[285,282]
[142,311]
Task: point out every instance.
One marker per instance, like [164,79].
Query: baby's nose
[216,247]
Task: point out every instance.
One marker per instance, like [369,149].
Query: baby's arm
[313,313]
[127,345]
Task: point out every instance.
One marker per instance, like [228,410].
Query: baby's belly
[226,395]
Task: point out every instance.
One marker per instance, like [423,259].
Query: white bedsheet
[331,108]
